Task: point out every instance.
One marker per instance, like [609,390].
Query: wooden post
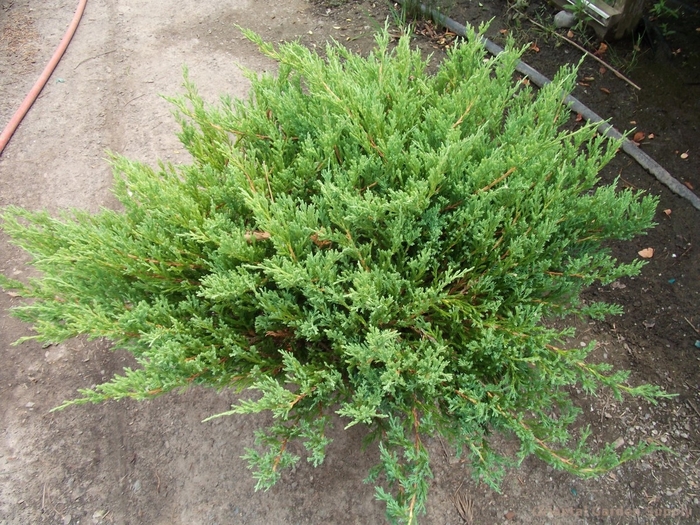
[632,11]
[614,21]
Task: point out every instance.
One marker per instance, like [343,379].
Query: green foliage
[407,11]
[580,10]
[363,238]
[661,9]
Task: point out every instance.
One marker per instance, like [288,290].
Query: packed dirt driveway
[156,462]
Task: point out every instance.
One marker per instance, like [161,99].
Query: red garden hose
[43,79]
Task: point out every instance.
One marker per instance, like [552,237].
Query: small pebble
[564,19]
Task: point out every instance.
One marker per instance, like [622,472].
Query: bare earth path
[156,463]
[152,463]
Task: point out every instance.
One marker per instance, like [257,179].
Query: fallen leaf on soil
[510,515]
[601,49]
[503,31]
[667,211]
[579,117]
[570,34]
[639,136]
[651,136]
[646,253]
[13,294]
[605,90]
[534,48]
[602,70]
[584,84]
[684,155]
[689,184]
[633,122]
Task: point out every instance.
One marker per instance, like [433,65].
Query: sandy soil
[156,463]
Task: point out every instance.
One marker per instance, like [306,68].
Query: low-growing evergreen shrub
[365,239]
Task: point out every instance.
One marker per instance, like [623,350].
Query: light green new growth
[358,237]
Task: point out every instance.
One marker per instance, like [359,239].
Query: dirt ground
[155,462]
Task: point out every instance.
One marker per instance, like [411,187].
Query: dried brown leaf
[321,243]
[257,235]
